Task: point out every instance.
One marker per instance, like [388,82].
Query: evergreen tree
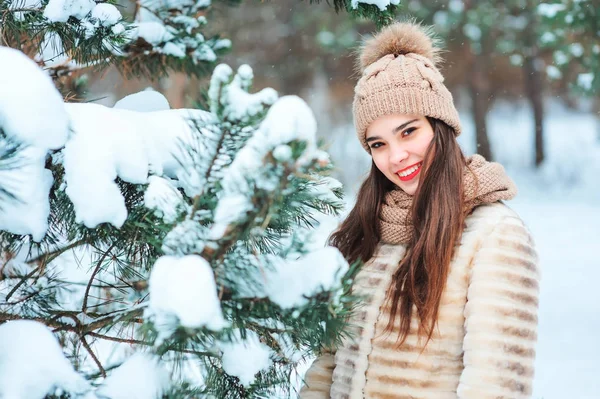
[150,252]
[571,31]
[181,236]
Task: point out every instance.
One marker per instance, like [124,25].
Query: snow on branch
[68,35]
[29,349]
[191,227]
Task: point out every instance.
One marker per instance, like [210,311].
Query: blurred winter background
[526,100]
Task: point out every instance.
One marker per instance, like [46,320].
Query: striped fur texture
[484,343]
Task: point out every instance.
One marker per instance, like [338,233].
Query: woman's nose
[397,155]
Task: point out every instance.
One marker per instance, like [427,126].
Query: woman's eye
[408,131]
[376,145]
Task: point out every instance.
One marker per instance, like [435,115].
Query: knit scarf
[484,183]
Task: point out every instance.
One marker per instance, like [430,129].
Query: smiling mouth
[410,173]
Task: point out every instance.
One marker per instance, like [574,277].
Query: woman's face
[398,144]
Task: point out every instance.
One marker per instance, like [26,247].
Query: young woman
[450,278]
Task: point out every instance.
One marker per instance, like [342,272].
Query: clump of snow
[106,14]
[231,208]
[585,80]
[174,49]
[140,377]
[184,289]
[289,283]
[175,4]
[560,57]
[162,196]
[282,153]
[188,237]
[153,32]
[117,29]
[547,37]
[289,119]
[61,10]
[553,72]
[244,358]
[576,49]
[324,189]
[220,76]
[550,10]
[144,101]
[381,4]
[30,183]
[27,91]
[114,142]
[32,363]
[222,44]
[239,105]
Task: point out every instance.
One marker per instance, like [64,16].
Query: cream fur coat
[484,344]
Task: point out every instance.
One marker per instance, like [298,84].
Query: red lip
[408,167]
[412,175]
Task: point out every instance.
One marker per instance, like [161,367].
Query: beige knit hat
[399,76]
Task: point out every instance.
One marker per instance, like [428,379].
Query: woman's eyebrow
[396,130]
[402,126]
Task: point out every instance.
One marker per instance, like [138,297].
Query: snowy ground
[568,349]
[561,205]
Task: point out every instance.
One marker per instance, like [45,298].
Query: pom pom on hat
[399,38]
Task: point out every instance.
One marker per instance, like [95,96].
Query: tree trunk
[534,83]
[479,90]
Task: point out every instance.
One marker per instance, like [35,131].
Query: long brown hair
[437,220]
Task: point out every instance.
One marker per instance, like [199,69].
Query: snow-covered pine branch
[172,243]
[68,35]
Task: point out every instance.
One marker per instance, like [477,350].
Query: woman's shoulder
[491,214]
[487,218]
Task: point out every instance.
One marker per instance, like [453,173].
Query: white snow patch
[32,363]
[27,91]
[381,4]
[147,100]
[183,288]
[576,49]
[174,49]
[553,72]
[30,183]
[550,10]
[288,283]
[324,189]
[153,32]
[115,142]
[61,10]
[289,119]
[140,377]
[560,57]
[244,358]
[230,209]
[106,14]
[585,80]
[164,198]
[239,105]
